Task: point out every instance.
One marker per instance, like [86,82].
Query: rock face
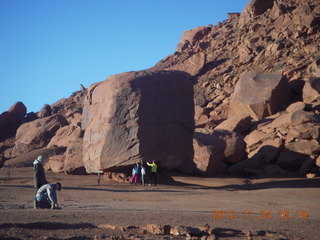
[70,136]
[45,111]
[254,103]
[139,116]
[311,90]
[191,36]
[11,119]
[191,65]
[212,152]
[259,95]
[288,140]
[255,8]
[37,134]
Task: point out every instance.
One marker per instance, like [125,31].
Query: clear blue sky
[49,47]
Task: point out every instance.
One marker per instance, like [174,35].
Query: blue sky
[49,47]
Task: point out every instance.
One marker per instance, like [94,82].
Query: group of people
[45,193]
[139,171]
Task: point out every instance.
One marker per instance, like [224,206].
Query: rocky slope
[255,102]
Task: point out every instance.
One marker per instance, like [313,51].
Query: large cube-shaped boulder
[259,95]
[139,116]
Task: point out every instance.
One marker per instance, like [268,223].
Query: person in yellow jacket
[154,167]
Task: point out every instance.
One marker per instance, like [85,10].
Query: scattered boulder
[303,15]
[315,68]
[311,175]
[70,106]
[213,151]
[239,123]
[55,163]
[113,227]
[270,95]
[185,231]
[192,36]
[317,162]
[45,111]
[12,119]
[234,15]
[180,231]
[208,154]
[37,134]
[268,149]
[295,107]
[156,229]
[191,65]
[255,8]
[66,136]
[139,115]
[311,90]
[116,177]
[287,139]
[307,147]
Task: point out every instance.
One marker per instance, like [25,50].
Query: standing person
[39,175]
[154,167]
[46,196]
[143,173]
[135,172]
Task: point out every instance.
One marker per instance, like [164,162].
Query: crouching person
[46,196]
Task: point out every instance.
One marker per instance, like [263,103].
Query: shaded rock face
[191,65]
[139,116]
[212,152]
[11,119]
[45,111]
[289,140]
[311,90]
[255,8]
[276,41]
[192,36]
[68,107]
[37,134]
[69,136]
[259,95]
[239,123]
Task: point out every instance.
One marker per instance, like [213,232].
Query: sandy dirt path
[280,208]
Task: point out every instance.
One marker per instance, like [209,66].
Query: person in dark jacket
[39,174]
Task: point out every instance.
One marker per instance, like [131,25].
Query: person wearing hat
[46,196]
[39,174]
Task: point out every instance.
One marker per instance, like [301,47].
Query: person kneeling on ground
[46,196]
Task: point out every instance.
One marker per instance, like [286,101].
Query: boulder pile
[240,97]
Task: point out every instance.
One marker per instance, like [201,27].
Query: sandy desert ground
[231,208]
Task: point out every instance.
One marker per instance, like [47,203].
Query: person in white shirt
[46,196]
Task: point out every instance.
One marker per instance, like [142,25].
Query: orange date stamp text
[262,215]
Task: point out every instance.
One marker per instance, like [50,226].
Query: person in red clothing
[135,172]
